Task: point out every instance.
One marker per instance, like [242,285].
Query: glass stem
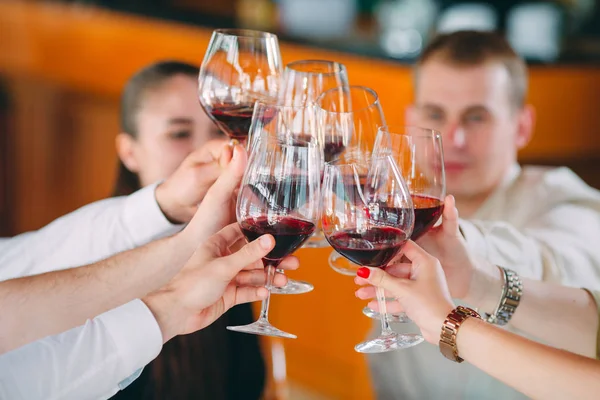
[264,311]
[386,330]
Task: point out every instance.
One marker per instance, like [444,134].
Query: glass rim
[349,88]
[281,106]
[337,67]
[397,130]
[245,33]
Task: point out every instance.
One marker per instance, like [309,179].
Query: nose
[455,136]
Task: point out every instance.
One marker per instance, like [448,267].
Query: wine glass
[279,196]
[239,68]
[293,123]
[419,154]
[303,81]
[348,119]
[369,223]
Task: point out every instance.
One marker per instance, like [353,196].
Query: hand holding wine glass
[369,224]
[423,293]
[240,67]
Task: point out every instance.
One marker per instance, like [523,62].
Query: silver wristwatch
[511,296]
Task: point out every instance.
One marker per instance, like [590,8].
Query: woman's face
[170,125]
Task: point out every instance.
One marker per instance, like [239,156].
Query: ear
[410,115]
[525,126]
[126,145]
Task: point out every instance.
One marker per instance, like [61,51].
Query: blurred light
[472,16]
[402,43]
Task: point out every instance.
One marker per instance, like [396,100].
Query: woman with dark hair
[161,123]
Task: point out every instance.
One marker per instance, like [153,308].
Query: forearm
[87,235]
[560,316]
[75,295]
[536,370]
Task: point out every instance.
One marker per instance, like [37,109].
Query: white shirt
[544,224]
[89,361]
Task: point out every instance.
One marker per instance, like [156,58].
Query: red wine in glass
[375,247]
[235,119]
[289,233]
[427,212]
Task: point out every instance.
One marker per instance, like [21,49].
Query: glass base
[391,342]
[262,327]
[342,265]
[293,287]
[316,241]
[399,317]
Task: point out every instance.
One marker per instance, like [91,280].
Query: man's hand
[446,243]
[178,196]
[213,281]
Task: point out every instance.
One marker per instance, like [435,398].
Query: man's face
[481,130]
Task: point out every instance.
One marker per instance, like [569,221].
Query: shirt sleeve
[92,361]
[559,246]
[87,235]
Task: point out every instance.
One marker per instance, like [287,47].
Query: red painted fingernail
[363,272]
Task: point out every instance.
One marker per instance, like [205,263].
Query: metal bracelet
[509,301]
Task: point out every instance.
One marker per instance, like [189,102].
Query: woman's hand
[419,286]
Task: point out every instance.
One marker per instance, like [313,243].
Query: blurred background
[63,65]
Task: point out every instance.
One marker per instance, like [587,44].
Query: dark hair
[471,48]
[213,362]
[142,82]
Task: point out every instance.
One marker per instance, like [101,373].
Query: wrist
[485,287]
[173,211]
[432,331]
[163,307]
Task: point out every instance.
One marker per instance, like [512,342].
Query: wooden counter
[64,67]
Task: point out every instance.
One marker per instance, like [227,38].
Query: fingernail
[235,152]
[363,272]
[265,241]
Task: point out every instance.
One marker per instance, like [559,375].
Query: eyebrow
[477,107]
[180,120]
[430,106]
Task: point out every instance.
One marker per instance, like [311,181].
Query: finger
[392,307]
[378,277]
[247,255]
[258,278]
[289,263]
[211,151]
[400,270]
[361,281]
[214,212]
[369,292]
[416,254]
[249,294]
[450,216]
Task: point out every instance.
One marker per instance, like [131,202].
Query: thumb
[247,255]
[415,253]
[214,211]
[450,217]
[381,279]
